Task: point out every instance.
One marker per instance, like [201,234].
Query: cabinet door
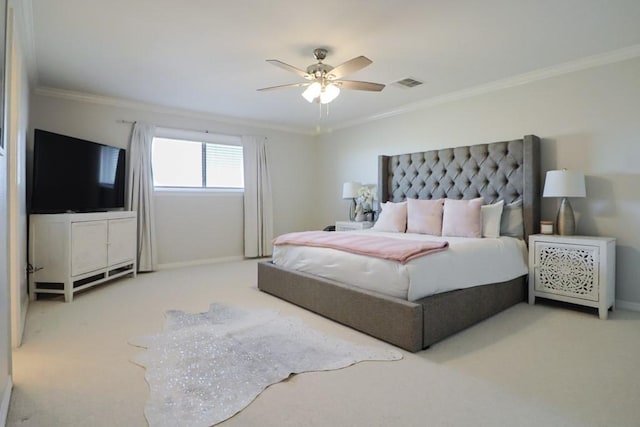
[122,240]
[569,270]
[88,246]
[49,251]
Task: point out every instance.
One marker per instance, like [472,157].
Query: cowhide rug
[206,367]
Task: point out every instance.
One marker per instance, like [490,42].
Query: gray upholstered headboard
[508,171]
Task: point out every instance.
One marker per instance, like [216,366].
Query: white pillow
[425,216]
[392,218]
[491,216]
[462,218]
[512,223]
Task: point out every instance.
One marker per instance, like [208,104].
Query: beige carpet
[531,365]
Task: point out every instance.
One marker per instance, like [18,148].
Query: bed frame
[506,171]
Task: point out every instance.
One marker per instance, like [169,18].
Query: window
[182,159]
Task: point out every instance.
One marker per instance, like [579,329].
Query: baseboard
[627,305]
[6,398]
[196,262]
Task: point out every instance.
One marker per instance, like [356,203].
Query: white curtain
[258,206]
[140,193]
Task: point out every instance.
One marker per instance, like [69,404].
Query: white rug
[206,367]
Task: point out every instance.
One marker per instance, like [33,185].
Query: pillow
[425,216]
[462,218]
[512,223]
[491,217]
[392,218]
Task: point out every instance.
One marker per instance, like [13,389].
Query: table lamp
[350,191]
[564,183]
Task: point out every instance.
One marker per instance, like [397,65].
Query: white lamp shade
[564,183]
[350,190]
[312,92]
[329,93]
[317,92]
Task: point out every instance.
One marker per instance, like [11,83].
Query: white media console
[70,252]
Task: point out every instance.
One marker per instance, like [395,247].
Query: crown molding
[611,57]
[138,105]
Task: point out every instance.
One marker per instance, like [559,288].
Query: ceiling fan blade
[356,85]
[291,68]
[351,66]
[284,86]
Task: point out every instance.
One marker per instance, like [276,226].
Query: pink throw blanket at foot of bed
[375,246]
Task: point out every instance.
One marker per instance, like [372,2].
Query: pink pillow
[462,218]
[425,216]
[392,218]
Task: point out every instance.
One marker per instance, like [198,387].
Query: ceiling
[209,56]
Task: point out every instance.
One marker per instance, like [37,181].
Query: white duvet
[467,262]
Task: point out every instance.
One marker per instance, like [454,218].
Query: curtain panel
[258,205]
[140,194]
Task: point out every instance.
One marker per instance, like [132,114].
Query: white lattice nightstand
[353,225]
[576,269]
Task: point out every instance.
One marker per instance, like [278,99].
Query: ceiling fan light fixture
[329,93]
[312,92]
[325,81]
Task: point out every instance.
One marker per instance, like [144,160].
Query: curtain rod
[168,127]
[130,122]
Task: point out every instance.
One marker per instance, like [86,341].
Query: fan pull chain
[318,125]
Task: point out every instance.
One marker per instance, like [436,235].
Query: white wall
[12,216]
[217,233]
[5,332]
[17,125]
[192,227]
[588,120]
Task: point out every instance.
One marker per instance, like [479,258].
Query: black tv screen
[74,175]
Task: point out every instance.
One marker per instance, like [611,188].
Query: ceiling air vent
[408,82]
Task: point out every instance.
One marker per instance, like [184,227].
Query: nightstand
[353,225]
[575,269]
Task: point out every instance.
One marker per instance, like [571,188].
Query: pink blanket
[375,246]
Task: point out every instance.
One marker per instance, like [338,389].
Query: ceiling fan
[324,81]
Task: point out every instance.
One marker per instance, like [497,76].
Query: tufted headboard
[508,171]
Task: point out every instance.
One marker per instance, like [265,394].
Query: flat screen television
[74,175]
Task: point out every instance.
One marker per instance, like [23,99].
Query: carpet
[203,368]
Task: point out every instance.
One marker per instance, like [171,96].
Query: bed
[507,170]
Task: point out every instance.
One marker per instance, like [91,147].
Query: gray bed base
[412,326]
[498,171]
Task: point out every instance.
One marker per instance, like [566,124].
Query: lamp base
[565,221]
[352,210]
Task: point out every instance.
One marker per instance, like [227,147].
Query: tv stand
[70,252]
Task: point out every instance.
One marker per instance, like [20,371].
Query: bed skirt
[412,326]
